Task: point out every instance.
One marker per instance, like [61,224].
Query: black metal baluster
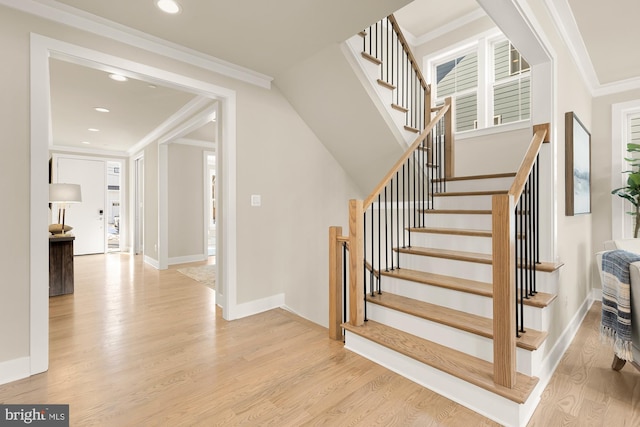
[398,217]
[392,226]
[386,234]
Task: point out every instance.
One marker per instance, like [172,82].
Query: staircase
[432,273]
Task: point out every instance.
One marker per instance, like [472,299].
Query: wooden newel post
[449,139]
[356,263]
[335,283]
[504,276]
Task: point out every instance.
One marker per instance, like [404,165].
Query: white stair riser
[462,202]
[454,338]
[534,317]
[545,282]
[474,222]
[480,184]
[493,406]
[448,267]
[452,242]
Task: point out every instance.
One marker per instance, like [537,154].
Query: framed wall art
[577,166]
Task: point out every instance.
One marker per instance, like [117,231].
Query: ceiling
[609,38]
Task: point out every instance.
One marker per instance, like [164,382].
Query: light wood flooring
[134,346]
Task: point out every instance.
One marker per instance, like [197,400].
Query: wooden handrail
[407,49]
[369,200]
[540,136]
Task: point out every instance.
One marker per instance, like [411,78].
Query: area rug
[205,274]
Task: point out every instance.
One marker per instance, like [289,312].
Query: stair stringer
[488,404]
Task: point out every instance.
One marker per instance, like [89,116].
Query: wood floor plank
[136,346]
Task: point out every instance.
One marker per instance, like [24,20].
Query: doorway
[96,220]
[41,50]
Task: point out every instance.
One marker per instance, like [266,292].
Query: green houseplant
[631,191]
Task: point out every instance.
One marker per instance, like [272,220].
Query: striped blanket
[615,328]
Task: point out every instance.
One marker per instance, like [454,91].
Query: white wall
[186,201]
[277,157]
[492,153]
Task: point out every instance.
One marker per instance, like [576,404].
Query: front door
[88,217]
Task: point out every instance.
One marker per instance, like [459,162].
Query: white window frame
[482,44]
[621,222]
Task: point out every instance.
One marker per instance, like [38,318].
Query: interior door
[88,217]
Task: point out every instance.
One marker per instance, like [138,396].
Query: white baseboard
[15,369]
[187,259]
[152,262]
[250,308]
[596,294]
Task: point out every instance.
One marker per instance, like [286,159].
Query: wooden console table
[61,265]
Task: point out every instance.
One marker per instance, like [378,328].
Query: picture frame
[577,166]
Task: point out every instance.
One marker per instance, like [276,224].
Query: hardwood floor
[134,346]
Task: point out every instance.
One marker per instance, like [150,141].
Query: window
[634,128]
[499,95]
[512,84]
[459,78]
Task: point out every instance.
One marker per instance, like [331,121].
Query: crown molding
[63,14]
[194,106]
[617,87]
[440,31]
[85,151]
[186,127]
[566,25]
[195,143]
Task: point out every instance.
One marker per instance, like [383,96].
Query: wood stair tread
[539,300]
[386,84]
[448,254]
[453,231]
[472,323]
[457,211]
[411,129]
[399,108]
[472,177]
[371,58]
[470,193]
[480,258]
[460,365]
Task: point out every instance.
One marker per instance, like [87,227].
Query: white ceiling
[269,37]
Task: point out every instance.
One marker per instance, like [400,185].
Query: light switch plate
[256,200]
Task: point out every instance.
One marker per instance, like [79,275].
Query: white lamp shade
[64,193]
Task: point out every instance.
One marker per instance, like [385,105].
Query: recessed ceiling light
[118,77]
[168,6]
[101,109]
[153,86]
[86,142]
[94,130]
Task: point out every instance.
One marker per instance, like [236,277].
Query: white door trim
[42,48]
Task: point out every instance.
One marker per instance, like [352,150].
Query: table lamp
[63,194]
